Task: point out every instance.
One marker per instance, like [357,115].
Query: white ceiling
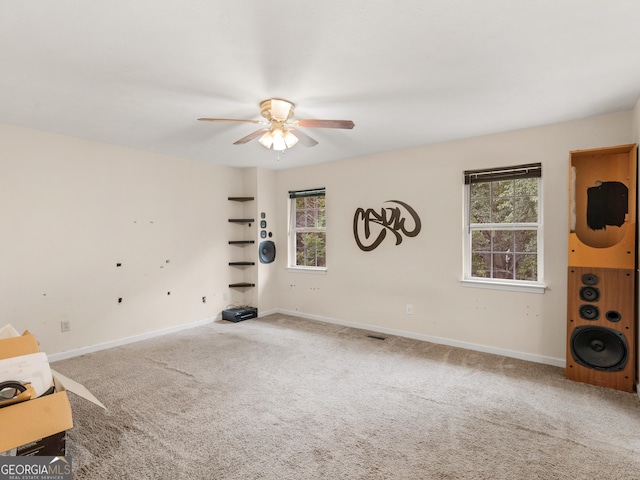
[407,72]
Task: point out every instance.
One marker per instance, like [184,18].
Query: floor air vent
[376,337]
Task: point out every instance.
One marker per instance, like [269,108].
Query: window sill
[509,286]
[313,271]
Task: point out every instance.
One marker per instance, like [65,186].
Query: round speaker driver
[589,294]
[599,348]
[267,251]
[590,279]
[589,312]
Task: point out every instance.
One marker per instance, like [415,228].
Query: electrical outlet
[65,326]
[409,309]
[225,296]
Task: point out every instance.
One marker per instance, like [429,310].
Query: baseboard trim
[556,362]
[127,340]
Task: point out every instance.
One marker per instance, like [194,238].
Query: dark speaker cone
[589,294]
[267,251]
[589,312]
[613,316]
[590,279]
[599,348]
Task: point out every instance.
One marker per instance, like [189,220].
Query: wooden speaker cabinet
[602,214]
[601,328]
[601,303]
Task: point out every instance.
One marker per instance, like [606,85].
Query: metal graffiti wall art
[370,227]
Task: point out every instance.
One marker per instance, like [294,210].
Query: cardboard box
[35,419]
[16,346]
[39,424]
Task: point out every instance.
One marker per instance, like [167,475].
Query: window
[504,229]
[308,225]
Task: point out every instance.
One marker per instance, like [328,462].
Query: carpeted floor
[288,398]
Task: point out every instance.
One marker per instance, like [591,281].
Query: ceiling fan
[280,131]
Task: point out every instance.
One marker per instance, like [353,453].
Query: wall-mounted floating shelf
[240,199]
[242,263]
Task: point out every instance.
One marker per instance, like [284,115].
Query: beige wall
[268,292]
[73,209]
[373,288]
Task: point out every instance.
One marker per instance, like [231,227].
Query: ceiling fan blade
[234,120]
[251,136]
[305,139]
[310,123]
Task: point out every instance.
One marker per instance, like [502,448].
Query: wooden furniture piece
[602,281]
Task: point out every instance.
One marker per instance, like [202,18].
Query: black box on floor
[239,314]
[53,446]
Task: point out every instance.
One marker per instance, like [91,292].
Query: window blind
[531,170]
[313,192]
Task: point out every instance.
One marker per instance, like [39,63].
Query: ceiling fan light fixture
[278,138]
[279,143]
[290,139]
[278,131]
[266,140]
[277,109]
